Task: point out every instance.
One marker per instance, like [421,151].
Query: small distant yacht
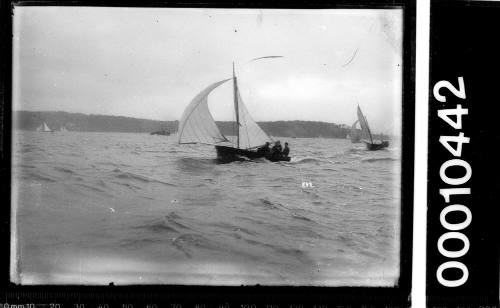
[366,135]
[43,128]
[162,132]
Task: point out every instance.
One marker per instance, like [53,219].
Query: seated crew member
[286,150]
[276,150]
[265,149]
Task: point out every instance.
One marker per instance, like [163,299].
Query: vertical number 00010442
[452,194]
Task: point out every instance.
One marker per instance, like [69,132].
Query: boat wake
[172,203]
[191,164]
[377,159]
[356,150]
[304,160]
[124,175]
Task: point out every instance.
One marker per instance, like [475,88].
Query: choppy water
[94,208]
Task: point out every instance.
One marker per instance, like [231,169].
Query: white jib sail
[197,124]
[366,135]
[251,135]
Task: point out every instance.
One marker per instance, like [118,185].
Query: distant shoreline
[173,135]
[30,120]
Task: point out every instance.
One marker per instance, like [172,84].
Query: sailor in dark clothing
[276,150]
[286,150]
[276,147]
[265,149]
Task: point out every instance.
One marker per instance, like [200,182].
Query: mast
[235,92]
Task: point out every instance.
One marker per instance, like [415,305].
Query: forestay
[250,133]
[197,124]
[365,129]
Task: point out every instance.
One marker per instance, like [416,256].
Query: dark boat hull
[161,133]
[377,146]
[230,154]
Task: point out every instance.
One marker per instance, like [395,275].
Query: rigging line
[265,57]
[352,58]
[359,45]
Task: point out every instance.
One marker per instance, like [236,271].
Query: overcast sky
[150,62]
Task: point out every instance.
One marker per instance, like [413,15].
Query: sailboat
[197,126]
[366,135]
[63,129]
[355,135]
[43,128]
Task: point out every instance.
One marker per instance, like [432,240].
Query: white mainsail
[366,135]
[250,133]
[197,124]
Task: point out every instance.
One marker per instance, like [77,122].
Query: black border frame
[460,45]
[398,296]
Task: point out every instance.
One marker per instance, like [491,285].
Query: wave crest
[376,159]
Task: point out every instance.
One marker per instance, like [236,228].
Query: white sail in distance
[366,135]
[43,128]
[197,124]
[355,133]
[250,133]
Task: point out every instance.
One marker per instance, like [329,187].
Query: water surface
[95,208]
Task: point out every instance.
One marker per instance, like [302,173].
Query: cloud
[150,63]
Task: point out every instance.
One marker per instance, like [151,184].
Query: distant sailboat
[366,135]
[43,128]
[63,129]
[355,133]
[198,126]
[161,132]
